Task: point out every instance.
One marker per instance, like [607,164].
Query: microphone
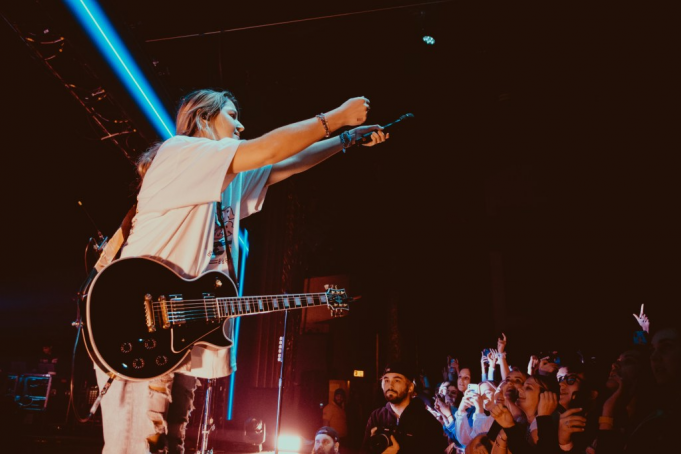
[367,137]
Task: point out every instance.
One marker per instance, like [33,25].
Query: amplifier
[32,391]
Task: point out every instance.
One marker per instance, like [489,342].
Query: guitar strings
[206,309]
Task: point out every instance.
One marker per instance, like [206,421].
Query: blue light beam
[100,30]
[244,247]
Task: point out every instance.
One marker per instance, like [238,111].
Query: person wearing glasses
[576,428]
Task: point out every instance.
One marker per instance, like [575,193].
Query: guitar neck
[181,311]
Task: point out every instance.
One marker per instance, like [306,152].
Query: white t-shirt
[176,224]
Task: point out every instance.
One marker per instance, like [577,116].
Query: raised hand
[483,357]
[547,367]
[532,365]
[476,399]
[643,321]
[501,344]
[548,402]
[570,423]
[454,365]
[492,358]
[501,415]
[443,408]
[352,112]
[466,401]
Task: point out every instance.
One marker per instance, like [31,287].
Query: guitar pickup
[210,307]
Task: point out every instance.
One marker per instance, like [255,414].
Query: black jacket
[417,431]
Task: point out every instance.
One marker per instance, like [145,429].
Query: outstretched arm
[320,151]
[284,142]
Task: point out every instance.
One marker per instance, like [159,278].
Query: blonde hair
[195,116]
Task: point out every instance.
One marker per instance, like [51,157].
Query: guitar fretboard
[180,310]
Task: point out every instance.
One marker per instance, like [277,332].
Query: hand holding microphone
[369,136]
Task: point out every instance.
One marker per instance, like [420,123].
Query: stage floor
[88,440]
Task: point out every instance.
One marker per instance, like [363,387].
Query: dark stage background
[534,193]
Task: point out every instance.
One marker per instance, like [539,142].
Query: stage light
[102,32]
[289,443]
[429,40]
[254,431]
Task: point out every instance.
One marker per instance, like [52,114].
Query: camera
[380,440]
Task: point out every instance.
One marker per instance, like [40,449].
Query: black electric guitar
[142,318]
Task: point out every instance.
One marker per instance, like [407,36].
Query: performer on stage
[195,188]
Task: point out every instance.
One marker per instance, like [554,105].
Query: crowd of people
[556,402]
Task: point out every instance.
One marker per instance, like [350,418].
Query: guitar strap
[221,223]
[113,246]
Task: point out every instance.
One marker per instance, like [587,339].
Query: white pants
[140,417]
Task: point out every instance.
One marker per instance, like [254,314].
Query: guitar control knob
[161,360]
[150,343]
[218,283]
[137,363]
[126,347]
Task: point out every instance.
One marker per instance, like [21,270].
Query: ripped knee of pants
[160,397]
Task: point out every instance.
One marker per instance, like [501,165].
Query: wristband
[606,420]
[346,140]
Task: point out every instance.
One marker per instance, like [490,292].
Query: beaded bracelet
[322,118]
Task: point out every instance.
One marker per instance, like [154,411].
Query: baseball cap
[400,367]
[326,430]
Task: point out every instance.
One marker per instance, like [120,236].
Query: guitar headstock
[337,301]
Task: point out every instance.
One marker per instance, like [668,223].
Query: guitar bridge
[149,313]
